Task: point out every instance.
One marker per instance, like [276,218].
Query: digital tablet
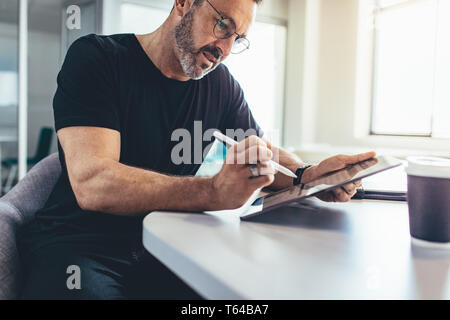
[325,183]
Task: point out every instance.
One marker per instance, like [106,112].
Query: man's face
[199,51]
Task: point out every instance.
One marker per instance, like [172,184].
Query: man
[119,100]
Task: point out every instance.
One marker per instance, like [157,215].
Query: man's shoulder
[224,80]
[221,72]
[106,43]
[221,77]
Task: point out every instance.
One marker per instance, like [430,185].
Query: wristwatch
[299,174]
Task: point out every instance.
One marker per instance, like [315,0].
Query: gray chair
[17,208]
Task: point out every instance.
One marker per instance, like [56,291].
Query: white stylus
[223,138]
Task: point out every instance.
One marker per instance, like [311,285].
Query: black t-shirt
[109,81]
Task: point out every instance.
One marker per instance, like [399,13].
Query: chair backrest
[18,207]
[44,143]
[32,192]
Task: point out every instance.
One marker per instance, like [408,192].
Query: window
[261,74]
[411,68]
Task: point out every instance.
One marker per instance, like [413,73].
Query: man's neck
[160,48]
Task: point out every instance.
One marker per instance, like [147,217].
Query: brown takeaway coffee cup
[429,199]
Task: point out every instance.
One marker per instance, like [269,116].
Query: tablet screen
[327,182]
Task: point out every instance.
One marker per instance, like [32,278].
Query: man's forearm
[290,161]
[118,189]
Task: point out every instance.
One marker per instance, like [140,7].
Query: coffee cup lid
[435,167]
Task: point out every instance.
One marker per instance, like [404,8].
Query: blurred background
[321,77]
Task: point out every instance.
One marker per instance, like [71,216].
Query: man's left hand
[346,192]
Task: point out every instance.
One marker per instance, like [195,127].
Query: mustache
[212,50]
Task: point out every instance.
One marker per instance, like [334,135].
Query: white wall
[295,113]
[336,71]
[321,72]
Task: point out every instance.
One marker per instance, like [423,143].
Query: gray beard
[186,50]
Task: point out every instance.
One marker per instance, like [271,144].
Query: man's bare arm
[101,183]
[288,160]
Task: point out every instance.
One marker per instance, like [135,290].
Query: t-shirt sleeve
[239,115]
[86,94]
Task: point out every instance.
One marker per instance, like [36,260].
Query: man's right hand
[235,183]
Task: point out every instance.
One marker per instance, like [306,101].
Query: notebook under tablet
[325,183]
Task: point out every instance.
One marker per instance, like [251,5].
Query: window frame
[375,62]
[364,95]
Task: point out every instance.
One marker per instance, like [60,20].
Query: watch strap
[299,174]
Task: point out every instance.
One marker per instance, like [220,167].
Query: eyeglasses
[226,28]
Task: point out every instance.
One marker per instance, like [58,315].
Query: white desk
[357,250]
[6,135]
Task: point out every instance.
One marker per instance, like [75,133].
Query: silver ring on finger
[254,170]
